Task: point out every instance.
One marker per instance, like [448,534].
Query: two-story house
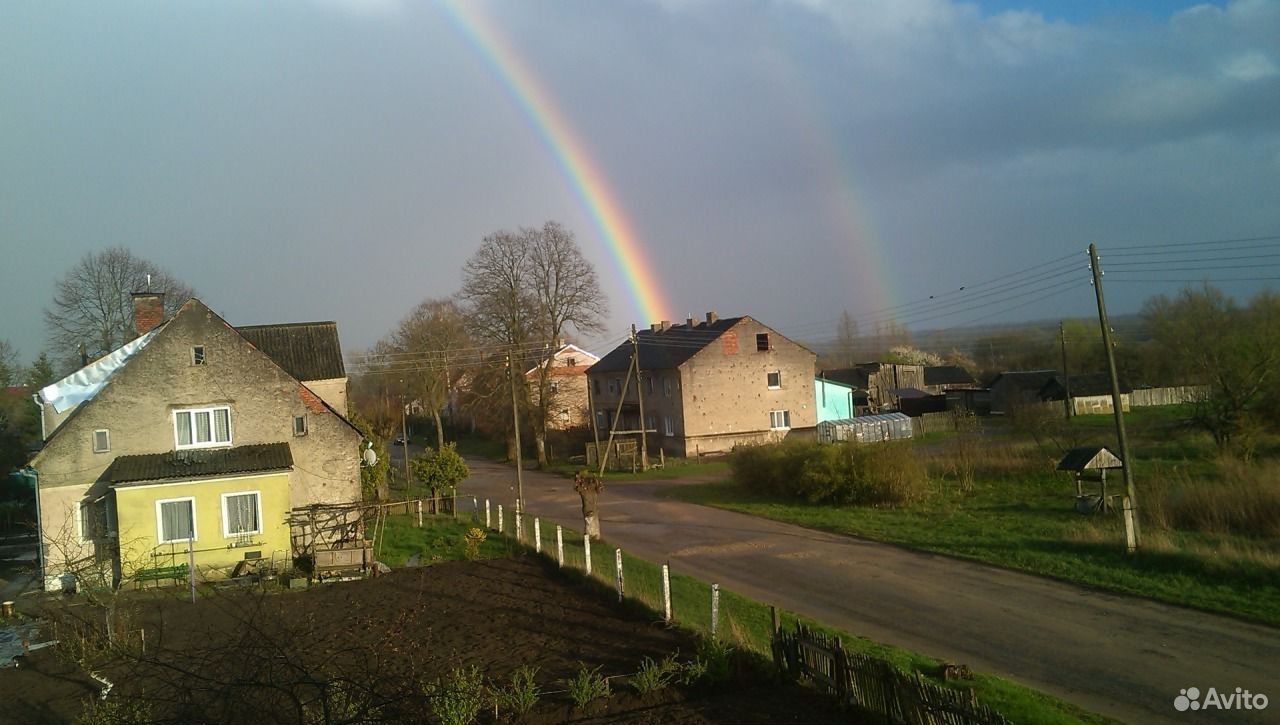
[708,386]
[195,435]
[567,386]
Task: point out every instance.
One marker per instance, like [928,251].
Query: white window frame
[774,372]
[666,387]
[200,358]
[304,430]
[213,429]
[780,416]
[226,531]
[668,425]
[96,449]
[195,520]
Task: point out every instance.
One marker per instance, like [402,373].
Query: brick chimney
[666,325]
[148,311]
[688,321]
[712,317]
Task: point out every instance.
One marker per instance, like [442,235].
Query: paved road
[1120,656]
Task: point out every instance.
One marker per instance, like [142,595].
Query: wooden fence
[875,685]
[1168,396]
[933,423]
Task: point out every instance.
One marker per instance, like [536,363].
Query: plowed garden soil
[363,651]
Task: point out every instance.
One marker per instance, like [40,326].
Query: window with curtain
[202,427]
[177,519]
[240,513]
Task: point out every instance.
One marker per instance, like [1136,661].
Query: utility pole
[1130,516]
[644,428]
[404,433]
[515,426]
[1066,376]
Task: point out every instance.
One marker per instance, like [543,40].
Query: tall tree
[567,293]
[41,372]
[846,340]
[433,341]
[1233,350]
[92,304]
[10,370]
[524,290]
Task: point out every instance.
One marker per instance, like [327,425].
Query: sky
[786,159]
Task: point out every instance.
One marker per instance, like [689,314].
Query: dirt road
[1121,656]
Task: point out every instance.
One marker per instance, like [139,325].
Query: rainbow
[569,152]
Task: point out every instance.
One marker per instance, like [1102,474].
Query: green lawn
[1023,519]
[439,539]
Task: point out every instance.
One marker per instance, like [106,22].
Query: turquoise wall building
[832,400]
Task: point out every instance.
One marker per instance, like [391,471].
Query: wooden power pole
[644,427]
[1131,517]
[1066,376]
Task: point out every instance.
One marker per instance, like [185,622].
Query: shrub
[440,470]
[1245,500]
[837,473]
[654,675]
[587,686]
[457,698]
[114,711]
[716,655]
[522,694]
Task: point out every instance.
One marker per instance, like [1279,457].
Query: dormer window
[197,355]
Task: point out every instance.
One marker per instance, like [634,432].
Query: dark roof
[667,349]
[1086,458]
[1031,380]
[947,375]
[306,350]
[1081,386]
[910,393]
[197,463]
[854,376]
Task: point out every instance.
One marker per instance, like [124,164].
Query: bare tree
[433,338]
[567,293]
[92,304]
[846,340]
[10,369]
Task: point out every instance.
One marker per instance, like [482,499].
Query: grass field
[744,622]
[1018,513]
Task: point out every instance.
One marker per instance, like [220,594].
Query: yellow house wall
[215,554]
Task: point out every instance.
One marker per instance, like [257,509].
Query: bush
[654,675]
[835,473]
[114,711]
[521,695]
[1245,500]
[440,470]
[587,686]
[457,699]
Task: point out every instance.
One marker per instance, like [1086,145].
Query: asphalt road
[1121,656]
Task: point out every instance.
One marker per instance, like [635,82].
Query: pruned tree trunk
[540,443]
[435,416]
[588,485]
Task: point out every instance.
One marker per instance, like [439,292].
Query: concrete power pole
[644,428]
[515,426]
[1066,376]
[1131,515]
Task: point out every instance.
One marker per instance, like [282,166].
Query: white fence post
[617,567]
[666,593]
[499,518]
[559,546]
[519,523]
[1130,538]
[586,551]
[419,503]
[488,520]
[715,608]
[537,535]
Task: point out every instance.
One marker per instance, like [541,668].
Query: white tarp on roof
[85,383]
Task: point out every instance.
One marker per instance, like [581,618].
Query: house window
[202,427]
[101,440]
[668,425]
[299,425]
[197,355]
[612,388]
[650,385]
[775,379]
[666,387]
[650,423]
[762,342]
[595,386]
[241,513]
[555,386]
[571,362]
[602,420]
[176,519]
[617,382]
[779,419]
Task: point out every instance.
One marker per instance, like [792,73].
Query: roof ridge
[286,324]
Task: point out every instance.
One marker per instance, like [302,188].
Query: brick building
[707,386]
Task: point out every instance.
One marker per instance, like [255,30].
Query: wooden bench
[161,573]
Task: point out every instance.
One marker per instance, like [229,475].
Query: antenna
[148,283]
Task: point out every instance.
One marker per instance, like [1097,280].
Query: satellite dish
[370,458]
